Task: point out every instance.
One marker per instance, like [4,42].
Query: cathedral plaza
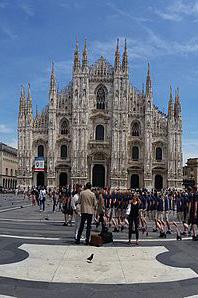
[98,149]
[100,128]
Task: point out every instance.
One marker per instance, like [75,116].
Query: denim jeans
[42,204]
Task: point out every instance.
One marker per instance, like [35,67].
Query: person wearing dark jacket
[133,217]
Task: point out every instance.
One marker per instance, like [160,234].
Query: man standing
[88,203]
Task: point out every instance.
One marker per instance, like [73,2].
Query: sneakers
[179,237]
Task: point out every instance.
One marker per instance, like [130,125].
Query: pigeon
[90,258]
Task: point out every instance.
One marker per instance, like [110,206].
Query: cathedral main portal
[135,183]
[63,179]
[98,177]
[40,179]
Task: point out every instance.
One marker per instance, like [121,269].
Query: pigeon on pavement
[90,258]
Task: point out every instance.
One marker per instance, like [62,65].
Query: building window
[11,172]
[63,151]
[100,98]
[135,129]
[158,154]
[135,153]
[6,171]
[99,133]
[64,129]
[40,151]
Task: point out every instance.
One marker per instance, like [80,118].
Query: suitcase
[96,240]
[107,237]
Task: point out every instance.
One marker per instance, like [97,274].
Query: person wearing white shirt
[76,209]
[42,198]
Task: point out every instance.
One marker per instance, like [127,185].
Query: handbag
[128,210]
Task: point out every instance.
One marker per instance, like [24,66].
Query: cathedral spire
[117,57]
[29,100]
[148,82]
[177,105]
[76,66]
[22,105]
[125,59]
[36,110]
[170,105]
[85,56]
[52,90]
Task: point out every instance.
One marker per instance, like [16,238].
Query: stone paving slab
[111,265]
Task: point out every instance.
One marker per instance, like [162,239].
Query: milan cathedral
[100,128]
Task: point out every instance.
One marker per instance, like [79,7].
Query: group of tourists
[166,212]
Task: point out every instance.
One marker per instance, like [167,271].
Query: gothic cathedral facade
[100,128]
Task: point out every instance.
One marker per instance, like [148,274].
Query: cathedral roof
[101,68]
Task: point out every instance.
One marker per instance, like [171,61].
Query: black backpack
[107,236]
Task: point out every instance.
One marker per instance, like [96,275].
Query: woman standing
[101,210]
[193,213]
[133,217]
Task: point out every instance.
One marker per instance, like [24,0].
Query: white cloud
[190,148]
[5,29]
[145,47]
[5,129]
[123,13]
[178,10]
[27,9]
[13,143]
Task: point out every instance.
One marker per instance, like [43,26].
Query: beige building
[100,128]
[191,172]
[8,166]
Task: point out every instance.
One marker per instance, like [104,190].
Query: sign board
[39,165]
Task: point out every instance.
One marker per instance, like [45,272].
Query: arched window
[135,129]
[6,171]
[99,133]
[11,172]
[63,151]
[100,98]
[135,153]
[158,153]
[40,151]
[64,129]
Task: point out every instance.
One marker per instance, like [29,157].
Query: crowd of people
[164,212]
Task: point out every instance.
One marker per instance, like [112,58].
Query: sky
[33,33]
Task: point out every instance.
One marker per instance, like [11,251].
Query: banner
[39,166]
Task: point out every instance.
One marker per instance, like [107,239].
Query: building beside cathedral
[100,128]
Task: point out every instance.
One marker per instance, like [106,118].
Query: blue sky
[35,32]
